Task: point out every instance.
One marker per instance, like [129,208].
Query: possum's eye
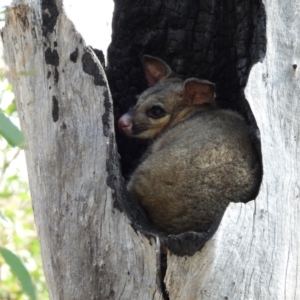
[156,112]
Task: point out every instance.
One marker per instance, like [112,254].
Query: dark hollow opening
[215,40]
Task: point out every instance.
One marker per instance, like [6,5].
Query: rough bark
[89,248]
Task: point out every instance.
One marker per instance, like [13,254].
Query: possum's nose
[125,124]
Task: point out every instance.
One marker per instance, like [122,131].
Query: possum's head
[168,100]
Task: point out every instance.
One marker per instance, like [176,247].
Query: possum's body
[193,170]
[202,157]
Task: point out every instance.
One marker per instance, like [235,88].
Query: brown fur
[201,159]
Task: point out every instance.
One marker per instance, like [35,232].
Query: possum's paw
[185,243]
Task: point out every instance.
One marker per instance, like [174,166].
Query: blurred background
[21,273]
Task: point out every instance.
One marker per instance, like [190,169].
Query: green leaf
[19,270]
[5,194]
[12,178]
[10,131]
[11,108]
[9,87]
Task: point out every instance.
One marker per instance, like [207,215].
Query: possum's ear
[155,69]
[199,91]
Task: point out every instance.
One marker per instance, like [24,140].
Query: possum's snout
[125,124]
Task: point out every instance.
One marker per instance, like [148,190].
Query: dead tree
[96,243]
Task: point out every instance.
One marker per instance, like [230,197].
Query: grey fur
[202,157]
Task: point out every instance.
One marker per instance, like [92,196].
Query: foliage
[9,131]
[21,274]
[19,270]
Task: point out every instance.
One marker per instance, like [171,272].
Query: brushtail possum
[201,158]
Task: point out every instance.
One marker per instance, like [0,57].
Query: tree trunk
[89,247]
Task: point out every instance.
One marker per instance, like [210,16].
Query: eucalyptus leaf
[10,131]
[20,271]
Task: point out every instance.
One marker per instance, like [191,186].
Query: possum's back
[194,169]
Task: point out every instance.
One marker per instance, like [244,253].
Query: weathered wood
[89,249]
[254,252]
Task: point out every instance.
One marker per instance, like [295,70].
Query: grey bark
[89,248]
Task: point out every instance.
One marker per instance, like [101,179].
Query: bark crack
[163,271]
